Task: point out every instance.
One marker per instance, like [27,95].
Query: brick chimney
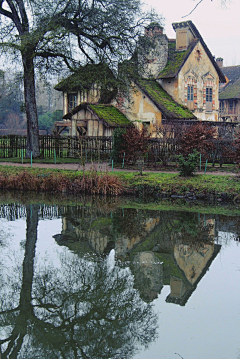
[153,30]
[184,35]
[219,61]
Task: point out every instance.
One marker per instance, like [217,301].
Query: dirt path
[103,167]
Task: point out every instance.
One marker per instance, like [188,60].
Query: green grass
[161,182]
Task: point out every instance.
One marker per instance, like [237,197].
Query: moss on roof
[175,60]
[86,76]
[231,91]
[110,114]
[163,101]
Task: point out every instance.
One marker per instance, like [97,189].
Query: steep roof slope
[176,59]
[232,89]
[163,101]
[231,72]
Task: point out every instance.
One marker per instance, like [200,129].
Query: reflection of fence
[161,150]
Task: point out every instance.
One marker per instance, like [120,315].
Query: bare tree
[223,3]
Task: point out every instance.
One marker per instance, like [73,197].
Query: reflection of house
[229,96]
[160,250]
[178,79]
[148,275]
[194,265]
[97,232]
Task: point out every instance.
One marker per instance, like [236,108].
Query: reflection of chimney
[219,61]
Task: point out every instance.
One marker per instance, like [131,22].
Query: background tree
[45,33]
[11,100]
[46,120]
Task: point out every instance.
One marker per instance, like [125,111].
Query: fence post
[123,160]
[206,167]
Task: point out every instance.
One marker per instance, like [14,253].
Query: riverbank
[100,179]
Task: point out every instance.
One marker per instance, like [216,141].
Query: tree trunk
[31,106]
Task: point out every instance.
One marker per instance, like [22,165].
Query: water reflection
[114,263]
[84,309]
[163,247]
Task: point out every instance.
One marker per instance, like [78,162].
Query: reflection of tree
[18,316]
[83,309]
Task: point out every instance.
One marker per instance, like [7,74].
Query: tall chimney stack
[219,61]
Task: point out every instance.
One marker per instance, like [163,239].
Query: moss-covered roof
[86,76]
[232,91]
[163,101]
[176,60]
[108,114]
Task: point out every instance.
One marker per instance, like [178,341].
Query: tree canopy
[47,34]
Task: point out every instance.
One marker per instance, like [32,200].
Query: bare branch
[193,9]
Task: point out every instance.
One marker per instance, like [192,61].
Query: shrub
[199,137]
[135,142]
[187,164]
[236,148]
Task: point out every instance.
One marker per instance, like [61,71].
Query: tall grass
[91,182]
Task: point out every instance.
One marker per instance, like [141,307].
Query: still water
[115,279]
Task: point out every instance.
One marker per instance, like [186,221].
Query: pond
[100,278]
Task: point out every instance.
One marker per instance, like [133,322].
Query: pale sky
[218,25]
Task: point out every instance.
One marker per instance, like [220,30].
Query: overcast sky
[219,26]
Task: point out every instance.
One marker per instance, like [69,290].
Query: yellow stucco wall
[200,66]
[142,110]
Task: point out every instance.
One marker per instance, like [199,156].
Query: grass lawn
[170,183]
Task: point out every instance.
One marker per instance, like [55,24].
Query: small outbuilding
[93,119]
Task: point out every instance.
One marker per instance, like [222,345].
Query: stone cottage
[186,69]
